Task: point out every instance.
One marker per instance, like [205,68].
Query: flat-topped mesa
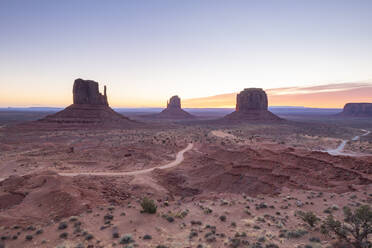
[251,105]
[251,99]
[174,102]
[357,110]
[87,92]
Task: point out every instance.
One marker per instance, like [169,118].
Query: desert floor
[215,185]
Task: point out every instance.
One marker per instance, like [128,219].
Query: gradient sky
[147,51]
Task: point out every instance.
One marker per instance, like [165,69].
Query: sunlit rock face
[87,92]
[357,110]
[251,99]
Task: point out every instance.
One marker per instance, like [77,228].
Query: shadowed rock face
[86,92]
[357,110]
[89,107]
[173,111]
[251,105]
[174,102]
[251,99]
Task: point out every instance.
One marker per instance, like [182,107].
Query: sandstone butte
[252,105]
[173,111]
[89,107]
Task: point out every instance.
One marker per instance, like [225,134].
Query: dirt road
[177,161]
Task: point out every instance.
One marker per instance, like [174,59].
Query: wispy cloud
[323,96]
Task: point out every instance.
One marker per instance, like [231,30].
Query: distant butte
[252,105]
[89,107]
[357,110]
[173,111]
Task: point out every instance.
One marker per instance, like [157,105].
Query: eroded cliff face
[251,105]
[174,102]
[251,99]
[357,110]
[87,92]
[89,107]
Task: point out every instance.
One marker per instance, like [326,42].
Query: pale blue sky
[146,51]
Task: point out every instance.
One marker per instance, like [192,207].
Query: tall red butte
[252,105]
[89,107]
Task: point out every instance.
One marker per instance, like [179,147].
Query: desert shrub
[29,237]
[271,246]
[207,210]
[147,237]
[73,219]
[170,218]
[355,228]
[108,217]
[126,239]
[31,228]
[63,235]
[89,237]
[309,217]
[314,239]
[62,225]
[148,206]
[196,222]
[193,233]
[290,234]
[223,218]
[234,243]
[115,234]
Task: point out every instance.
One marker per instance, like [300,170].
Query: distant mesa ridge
[362,109]
[252,105]
[89,107]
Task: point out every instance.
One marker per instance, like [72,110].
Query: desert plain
[215,184]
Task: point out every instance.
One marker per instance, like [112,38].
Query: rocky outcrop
[174,102]
[89,107]
[251,99]
[86,92]
[173,111]
[357,110]
[252,104]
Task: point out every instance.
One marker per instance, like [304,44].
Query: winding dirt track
[177,161]
[340,149]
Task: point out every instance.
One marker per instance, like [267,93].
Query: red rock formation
[174,102]
[357,110]
[86,92]
[89,107]
[251,99]
[251,104]
[173,111]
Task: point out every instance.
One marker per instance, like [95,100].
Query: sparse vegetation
[148,206]
[309,217]
[126,239]
[62,225]
[355,228]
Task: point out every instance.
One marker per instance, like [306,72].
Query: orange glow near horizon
[323,96]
